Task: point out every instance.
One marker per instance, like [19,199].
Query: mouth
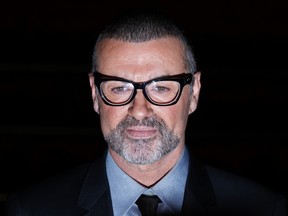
[141,132]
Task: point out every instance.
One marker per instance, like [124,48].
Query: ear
[196,91]
[94,92]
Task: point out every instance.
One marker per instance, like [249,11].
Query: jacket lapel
[95,194]
[199,195]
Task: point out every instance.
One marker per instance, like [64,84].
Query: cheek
[110,117]
[175,117]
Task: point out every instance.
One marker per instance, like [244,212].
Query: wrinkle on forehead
[141,61]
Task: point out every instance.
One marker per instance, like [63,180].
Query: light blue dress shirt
[125,190]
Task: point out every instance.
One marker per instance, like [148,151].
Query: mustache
[147,122]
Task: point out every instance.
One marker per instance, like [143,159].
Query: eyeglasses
[160,91]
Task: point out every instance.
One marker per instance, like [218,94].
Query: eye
[161,89]
[120,88]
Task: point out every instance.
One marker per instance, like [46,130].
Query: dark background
[47,122]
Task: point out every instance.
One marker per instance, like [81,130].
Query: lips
[141,132]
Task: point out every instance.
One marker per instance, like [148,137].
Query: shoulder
[234,190]
[53,194]
[234,182]
[66,180]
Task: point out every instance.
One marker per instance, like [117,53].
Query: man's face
[141,132]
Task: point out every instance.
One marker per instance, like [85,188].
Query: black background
[47,120]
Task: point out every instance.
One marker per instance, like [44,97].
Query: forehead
[145,59]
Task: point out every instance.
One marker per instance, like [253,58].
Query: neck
[149,174]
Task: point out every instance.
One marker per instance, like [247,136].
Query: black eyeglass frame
[183,79]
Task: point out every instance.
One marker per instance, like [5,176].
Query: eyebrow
[100,75]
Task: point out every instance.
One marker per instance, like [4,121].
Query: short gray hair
[145,27]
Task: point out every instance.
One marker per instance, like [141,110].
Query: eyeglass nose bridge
[141,86]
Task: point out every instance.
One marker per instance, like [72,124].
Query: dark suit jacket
[84,191]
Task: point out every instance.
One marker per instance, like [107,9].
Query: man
[144,86]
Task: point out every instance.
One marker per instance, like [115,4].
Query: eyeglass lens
[160,92]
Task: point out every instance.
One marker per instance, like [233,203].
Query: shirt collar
[171,188]
[125,190]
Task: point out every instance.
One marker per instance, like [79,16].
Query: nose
[140,108]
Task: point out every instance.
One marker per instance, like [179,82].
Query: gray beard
[142,151]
